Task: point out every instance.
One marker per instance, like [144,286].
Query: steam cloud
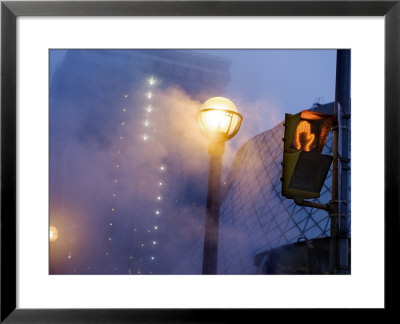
[85,164]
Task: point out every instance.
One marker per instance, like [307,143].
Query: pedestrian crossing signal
[304,167]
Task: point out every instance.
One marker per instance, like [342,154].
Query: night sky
[128,164]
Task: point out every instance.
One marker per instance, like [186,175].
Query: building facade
[110,163]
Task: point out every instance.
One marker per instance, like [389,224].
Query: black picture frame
[10,10]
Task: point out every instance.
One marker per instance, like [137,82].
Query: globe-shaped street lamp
[219,121]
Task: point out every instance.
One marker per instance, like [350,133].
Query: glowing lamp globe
[53,234]
[219,119]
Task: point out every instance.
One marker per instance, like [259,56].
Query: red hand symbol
[303,138]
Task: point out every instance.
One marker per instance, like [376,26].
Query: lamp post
[219,121]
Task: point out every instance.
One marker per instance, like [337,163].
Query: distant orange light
[303,138]
[53,235]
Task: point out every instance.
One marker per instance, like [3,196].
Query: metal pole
[302,202]
[344,158]
[338,210]
[333,208]
[210,253]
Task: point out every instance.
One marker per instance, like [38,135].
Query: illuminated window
[152,81]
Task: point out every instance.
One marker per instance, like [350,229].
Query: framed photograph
[174,160]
